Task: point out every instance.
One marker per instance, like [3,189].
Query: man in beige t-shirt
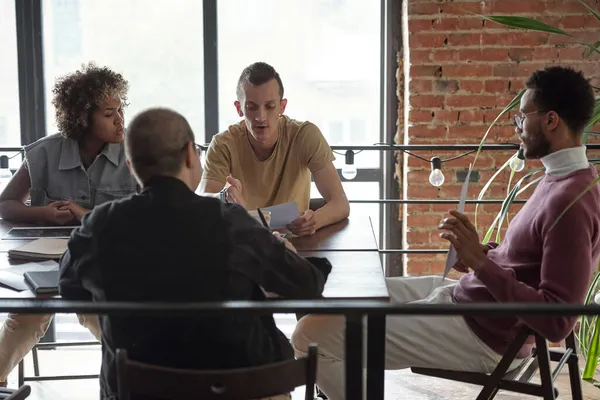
[268,158]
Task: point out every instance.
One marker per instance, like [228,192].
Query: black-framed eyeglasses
[196,145]
[519,119]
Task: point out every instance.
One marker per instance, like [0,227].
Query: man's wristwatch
[223,195]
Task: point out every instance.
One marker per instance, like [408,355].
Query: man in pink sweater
[542,259]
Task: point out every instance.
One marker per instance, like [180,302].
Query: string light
[436,177]
[518,162]
[349,169]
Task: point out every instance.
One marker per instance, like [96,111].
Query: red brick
[462,8]
[420,56]
[571,53]
[426,131]
[483,54]
[426,40]
[418,268]
[427,8]
[420,85]
[507,132]
[415,237]
[470,116]
[520,54]
[444,55]
[516,70]
[574,22]
[426,101]
[519,7]
[446,116]
[565,7]
[464,39]
[420,116]
[420,25]
[419,208]
[473,70]
[514,38]
[471,101]
[471,86]
[496,85]
[470,23]
[425,220]
[466,131]
[545,53]
[424,191]
[445,24]
[445,86]
[425,70]
[490,115]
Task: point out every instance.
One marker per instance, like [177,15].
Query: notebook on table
[40,249]
[27,232]
[42,282]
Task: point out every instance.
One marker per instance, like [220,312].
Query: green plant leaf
[590,9]
[533,25]
[526,23]
[488,183]
[513,103]
[593,353]
[591,51]
[596,115]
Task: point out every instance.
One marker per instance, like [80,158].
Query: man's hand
[286,242]
[234,191]
[305,225]
[75,209]
[465,239]
[57,213]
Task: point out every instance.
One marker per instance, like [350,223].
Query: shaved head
[155,143]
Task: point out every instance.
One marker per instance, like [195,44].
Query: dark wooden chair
[141,379]
[15,394]
[518,380]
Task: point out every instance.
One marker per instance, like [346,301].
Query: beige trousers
[411,341]
[20,332]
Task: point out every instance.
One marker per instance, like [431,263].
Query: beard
[535,144]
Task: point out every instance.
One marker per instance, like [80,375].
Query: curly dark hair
[565,91]
[77,94]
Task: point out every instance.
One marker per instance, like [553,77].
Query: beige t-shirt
[283,177]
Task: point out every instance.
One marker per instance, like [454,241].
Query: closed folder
[42,282]
[40,249]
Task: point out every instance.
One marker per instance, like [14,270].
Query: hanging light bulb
[349,170]
[518,163]
[436,178]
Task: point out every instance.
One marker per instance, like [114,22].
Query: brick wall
[463,71]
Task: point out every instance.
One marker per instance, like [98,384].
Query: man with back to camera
[267,158]
[542,259]
[169,245]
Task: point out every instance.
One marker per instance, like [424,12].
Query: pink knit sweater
[536,264]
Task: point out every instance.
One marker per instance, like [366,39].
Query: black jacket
[169,245]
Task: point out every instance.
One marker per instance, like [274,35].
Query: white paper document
[452,255]
[282,214]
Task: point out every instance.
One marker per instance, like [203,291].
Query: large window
[10,125]
[327,53]
[156,44]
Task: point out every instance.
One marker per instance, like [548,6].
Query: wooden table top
[356,275]
[352,234]
[349,246]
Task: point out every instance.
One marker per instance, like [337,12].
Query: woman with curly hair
[68,173]
[65,175]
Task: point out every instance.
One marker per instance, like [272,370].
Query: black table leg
[375,357]
[354,345]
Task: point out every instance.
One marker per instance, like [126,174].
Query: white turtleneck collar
[565,161]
